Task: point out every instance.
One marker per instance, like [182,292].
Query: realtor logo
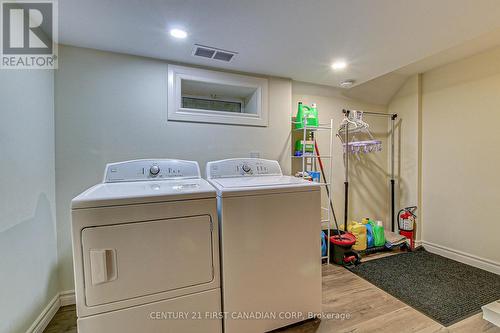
[29,34]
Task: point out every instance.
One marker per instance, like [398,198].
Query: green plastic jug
[378,234]
[309,146]
[309,113]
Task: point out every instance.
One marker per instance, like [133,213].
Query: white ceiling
[381,89]
[288,38]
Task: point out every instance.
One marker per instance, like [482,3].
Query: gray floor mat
[443,289]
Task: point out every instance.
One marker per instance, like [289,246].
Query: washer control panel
[142,170]
[241,167]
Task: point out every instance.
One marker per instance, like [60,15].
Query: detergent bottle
[309,113]
[323,243]
[308,143]
[359,231]
[370,240]
[378,234]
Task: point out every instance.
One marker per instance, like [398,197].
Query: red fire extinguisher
[406,223]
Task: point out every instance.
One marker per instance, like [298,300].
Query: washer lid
[125,193]
[243,167]
[238,186]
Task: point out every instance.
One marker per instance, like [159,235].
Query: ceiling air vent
[213,53]
[204,52]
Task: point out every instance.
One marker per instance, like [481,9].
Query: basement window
[213,104]
[197,95]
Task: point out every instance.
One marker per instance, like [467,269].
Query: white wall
[112,107]
[460,143]
[28,249]
[406,103]
[448,157]
[369,179]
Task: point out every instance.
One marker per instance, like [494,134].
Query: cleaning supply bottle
[370,240]
[309,146]
[323,243]
[310,114]
[378,234]
[359,231]
[313,119]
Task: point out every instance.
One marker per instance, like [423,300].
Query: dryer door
[131,260]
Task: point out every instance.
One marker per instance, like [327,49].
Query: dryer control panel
[151,169]
[241,167]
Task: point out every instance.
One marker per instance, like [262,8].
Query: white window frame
[177,113]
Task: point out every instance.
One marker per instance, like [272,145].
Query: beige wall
[28,249]
[460,143]
[448,161]
[113,107]
[369,179]
[406,103]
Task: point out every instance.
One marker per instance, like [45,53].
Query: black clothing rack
[393,117]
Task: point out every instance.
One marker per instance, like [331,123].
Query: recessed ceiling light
[178,33]
[338,65]
[347,83]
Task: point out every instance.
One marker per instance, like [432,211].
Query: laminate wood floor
[368,308]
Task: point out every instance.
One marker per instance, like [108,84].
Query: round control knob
[245,168]
[154,170]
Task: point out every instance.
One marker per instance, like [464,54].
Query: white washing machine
[146,250]
[270,244]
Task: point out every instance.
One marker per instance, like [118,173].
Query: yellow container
[359,231]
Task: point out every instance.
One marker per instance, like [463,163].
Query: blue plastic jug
[370,240]
[323,243]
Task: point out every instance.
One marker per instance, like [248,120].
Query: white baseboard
[45,317]
[67,297]
[466,258]
[42,321]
